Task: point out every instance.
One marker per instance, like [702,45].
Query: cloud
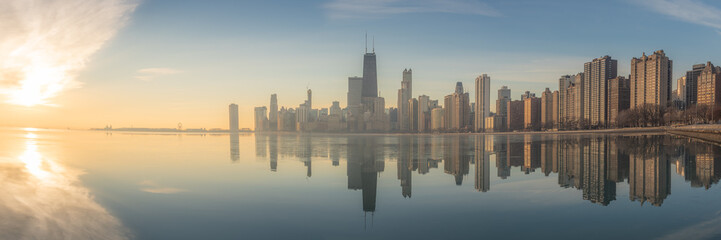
[344,9]
[147,74]
[45,43]
[153,187]
[692,11]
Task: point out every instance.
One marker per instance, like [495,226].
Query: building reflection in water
[234,147]
[594,165]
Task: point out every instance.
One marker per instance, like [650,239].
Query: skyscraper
[547,109]
[691,84]
[405,94]
[370,76]
[483,99]
[424,114]
[596,76]
[233,121]
[460,108]
[273,114]
[437,119]
[579,93]
[261,119]
[310,99]
[563,83]
[413,114]
[355,89]
[651,80]
[709,85]
[532,113]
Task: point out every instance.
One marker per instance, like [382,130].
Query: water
[90,185]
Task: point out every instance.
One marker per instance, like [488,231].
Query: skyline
[143,77]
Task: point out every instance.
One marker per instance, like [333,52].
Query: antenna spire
[374,44]
[366,42]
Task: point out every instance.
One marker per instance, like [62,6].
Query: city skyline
[194,86]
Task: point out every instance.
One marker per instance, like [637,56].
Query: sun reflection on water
[32,159]
[43,200]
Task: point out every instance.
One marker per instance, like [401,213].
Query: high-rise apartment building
[273,113]
[547,109]
[579,92]
[483,102]
[691,95]
[233,121]
[405,94]
[437,119]
[532,113]
[515,115]
[618,98]
[651,80]
[709,85]
[596,76]
[563,83]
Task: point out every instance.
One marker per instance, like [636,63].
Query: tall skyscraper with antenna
[370,75]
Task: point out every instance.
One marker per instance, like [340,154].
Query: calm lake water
[98,185]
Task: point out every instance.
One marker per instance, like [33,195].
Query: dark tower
[370,76]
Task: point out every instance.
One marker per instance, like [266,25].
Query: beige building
[457,109]
[532,113]
[436,119]
[596,75]
[651,80]
[483,102]
[709,85]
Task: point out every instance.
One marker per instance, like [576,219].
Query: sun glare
[40,83]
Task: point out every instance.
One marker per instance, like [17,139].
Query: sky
[157,63]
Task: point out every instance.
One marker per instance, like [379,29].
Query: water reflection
[595,165]
[41,199]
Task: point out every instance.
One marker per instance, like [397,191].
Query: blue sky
[177,60]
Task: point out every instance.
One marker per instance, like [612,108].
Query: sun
[41,83]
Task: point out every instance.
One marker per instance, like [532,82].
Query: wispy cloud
[147,74]
[344,9]
[153,187]
[45,43]
[692,11]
